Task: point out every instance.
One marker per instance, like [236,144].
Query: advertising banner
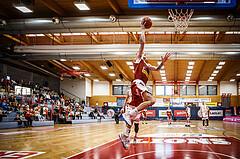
[151,113]
[179,113]
[162,113]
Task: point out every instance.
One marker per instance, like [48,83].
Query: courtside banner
[151,113]
[179,113]
[216,113]
[162,113]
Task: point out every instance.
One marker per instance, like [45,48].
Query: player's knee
[152,101]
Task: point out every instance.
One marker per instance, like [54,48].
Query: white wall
[88,87]
[74,86]
[121,83]
[101,88]
[228,87]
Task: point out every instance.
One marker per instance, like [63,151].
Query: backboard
[190,4]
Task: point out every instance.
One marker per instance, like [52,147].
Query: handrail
[71,93]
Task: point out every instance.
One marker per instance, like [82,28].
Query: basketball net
[181,18]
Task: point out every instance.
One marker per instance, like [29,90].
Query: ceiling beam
[115,63]
[219,36]
[93,69]
[182,36]
[62,38]
[93,37]
[54,6]
[115,6]
[15,39]
[57,65]
[227,69]
[201,71]
[133,37]
[54,39]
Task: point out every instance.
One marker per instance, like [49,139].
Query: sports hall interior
[87,56]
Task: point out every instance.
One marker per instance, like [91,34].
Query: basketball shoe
[134,140]
[124,140]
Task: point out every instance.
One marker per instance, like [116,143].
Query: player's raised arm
[164,59]
[142,41]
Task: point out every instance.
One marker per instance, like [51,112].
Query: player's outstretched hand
[166,57]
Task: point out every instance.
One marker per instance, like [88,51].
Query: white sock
[127,130]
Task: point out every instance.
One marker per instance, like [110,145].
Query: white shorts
[136,119]
[204,116]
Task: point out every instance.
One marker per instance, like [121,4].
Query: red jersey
[141,71]
[169,112]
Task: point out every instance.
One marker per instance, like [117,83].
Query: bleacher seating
[8,122]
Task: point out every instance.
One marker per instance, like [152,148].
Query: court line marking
[179,150]
[38,153]
[90,148]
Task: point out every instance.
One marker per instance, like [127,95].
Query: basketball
[148,22]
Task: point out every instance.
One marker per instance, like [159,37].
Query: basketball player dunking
[138,88]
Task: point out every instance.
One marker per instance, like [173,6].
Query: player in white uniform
[188,114]
[136,120]
[204,112]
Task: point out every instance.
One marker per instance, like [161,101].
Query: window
[117,90]
[122,89]
[187,90]
[207,90]
[164,90]
[160,90]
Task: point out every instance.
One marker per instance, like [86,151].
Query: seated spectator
[5,106]
[32,112]
[29,119]
[78,114]
[23,119]
[92,115]
[17,119]
[1,114]
[18,111]
[100,114]
[72,114]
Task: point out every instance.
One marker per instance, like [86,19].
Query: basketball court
[88,54]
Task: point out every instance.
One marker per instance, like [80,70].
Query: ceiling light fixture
[81,5]
[211,78]
[238,74]
[63,60]
[111,74]
[213,74]
[188,78]
[188,74]
[131,67]
[96,80]
[191,63]
[189,71]
[232,80]
[22,8]
[218,67]
[119,80]
[215,71]
[129,63]
[162,71]
[163,74]
[104,67]
[221,63]
[164,78]
[76,68]
[190,67]
[87,75]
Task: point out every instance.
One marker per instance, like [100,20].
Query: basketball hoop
[181,17]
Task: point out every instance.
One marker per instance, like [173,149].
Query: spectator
[78,114]
[32,112]
[18,111]
[92,115]
[117,114]
[29,119]
[1,115]
[23,119]
[5,106]
[101,115]
[17,119]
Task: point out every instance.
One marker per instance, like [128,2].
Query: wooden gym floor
[62,141]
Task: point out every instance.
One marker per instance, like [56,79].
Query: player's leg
[124,137]
[148,101]
[136,128]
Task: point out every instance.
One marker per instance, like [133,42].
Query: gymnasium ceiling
[94,28]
